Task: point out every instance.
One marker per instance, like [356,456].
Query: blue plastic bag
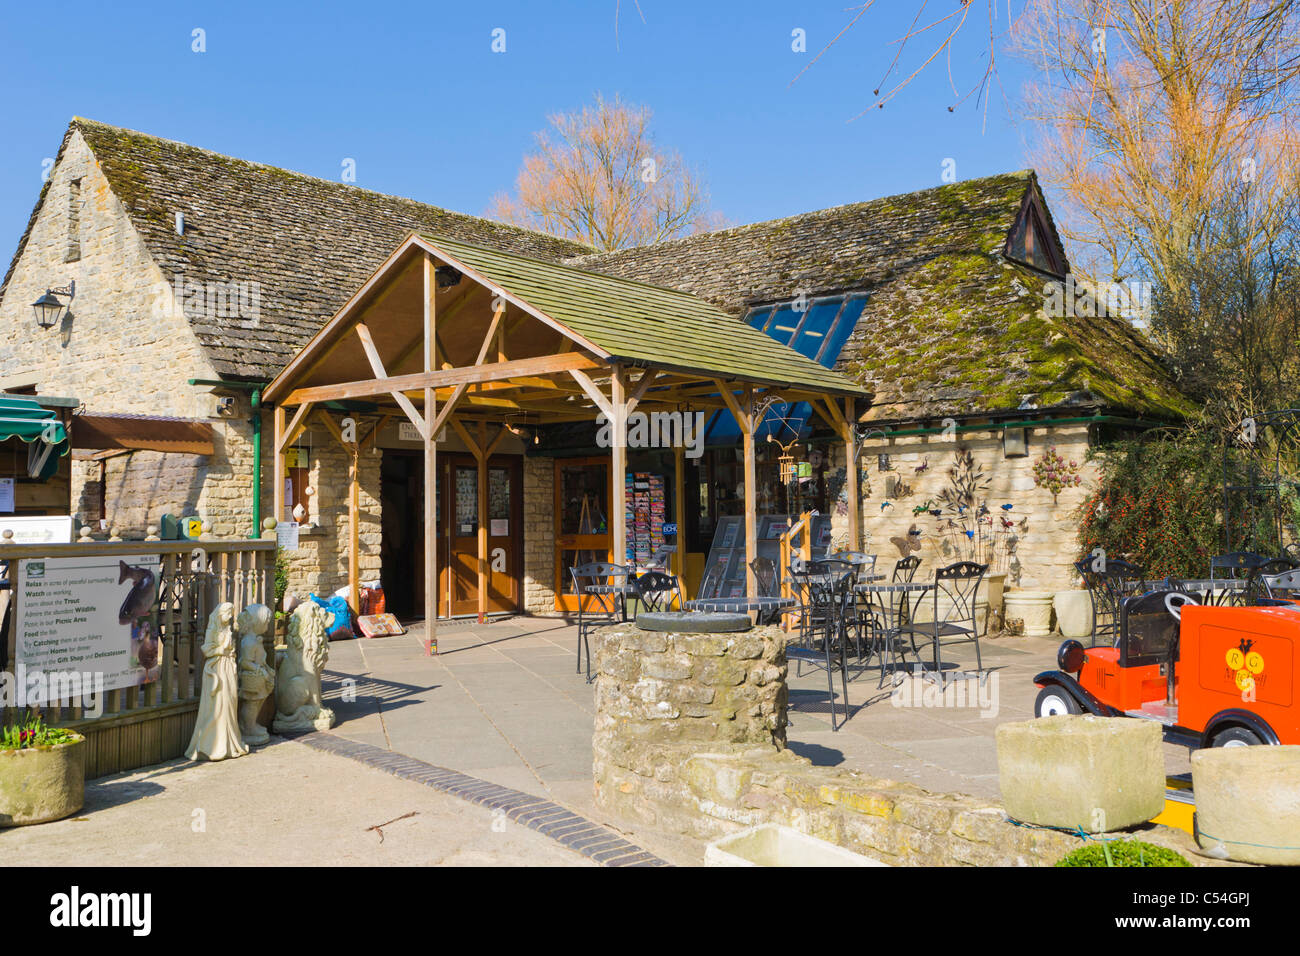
[340,627]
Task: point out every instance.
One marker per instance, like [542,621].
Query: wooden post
[618,466]
[851,475]
[679,515]
[278,472]
[430,468]
[481,454]
[751,493]
[354,531]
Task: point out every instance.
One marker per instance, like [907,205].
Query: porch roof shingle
[644,324]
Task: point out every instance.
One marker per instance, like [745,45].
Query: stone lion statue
[297,686]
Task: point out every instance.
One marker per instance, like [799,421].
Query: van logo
[1244,665]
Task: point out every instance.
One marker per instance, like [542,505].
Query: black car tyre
[1053,700]
[1236,737]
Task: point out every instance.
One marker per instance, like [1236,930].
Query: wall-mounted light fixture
[1015,442]
[49,309]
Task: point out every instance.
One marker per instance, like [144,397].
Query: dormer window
[1030,241]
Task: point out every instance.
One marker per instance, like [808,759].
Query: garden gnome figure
[256,678]
[216,732]
[297,686]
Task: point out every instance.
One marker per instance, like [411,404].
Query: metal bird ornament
[923,467]
[1008,506]
[922,509]
[886,504]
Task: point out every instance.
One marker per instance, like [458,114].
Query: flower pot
[40,784]
[1034,608]
[1073,613]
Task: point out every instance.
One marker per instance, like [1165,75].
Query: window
[817,329]
[1030,242]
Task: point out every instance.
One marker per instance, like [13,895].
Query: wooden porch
[487,343]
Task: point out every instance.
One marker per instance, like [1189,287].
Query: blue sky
[414,94]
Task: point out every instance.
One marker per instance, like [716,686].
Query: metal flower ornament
[1054,473]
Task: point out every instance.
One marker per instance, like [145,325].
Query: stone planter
[994,587]
[1073,613]
[774,845]
[1097,773]
[1034,608]
[40,784]
[1246,806]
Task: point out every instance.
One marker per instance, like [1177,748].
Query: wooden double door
[459,518]
[499,515]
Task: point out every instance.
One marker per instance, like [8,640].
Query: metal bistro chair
[1108,589]
[823,634]
[601,584]
[1283,586]
[656,591]
[768,586]
[905,569]
[833,567]
[1235,564]
[880,609]
[955,593]
[1256,590]
[864,612]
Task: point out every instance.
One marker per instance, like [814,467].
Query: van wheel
[1235,737]
[1054,700]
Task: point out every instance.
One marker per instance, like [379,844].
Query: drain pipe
[256,422]
[255,395]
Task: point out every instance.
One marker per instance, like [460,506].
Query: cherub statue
[297,686]
[216,731]
[256,678]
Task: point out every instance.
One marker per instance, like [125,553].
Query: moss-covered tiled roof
[951,326]
[643,323]
[309,243]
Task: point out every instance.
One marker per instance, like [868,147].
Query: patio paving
[502,702]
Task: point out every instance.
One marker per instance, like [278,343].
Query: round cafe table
[741,603]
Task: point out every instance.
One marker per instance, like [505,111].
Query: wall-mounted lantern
[49,309]
[1015,442]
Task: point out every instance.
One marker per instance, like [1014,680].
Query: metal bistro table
[621,593]
[740,604]
[1208,586]
[892,612]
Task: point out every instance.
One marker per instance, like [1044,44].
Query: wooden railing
[139,726]
[802,530]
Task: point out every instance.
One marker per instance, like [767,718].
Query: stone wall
[125,345]
[539,535]
[690,739]
[1045,546]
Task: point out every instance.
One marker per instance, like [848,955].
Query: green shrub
[1122,853]
[281,578]
[1157,504]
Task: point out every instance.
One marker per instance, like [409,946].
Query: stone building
[199,276]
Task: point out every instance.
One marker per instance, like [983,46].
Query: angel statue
[216,731]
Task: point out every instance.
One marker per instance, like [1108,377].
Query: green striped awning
[25,419]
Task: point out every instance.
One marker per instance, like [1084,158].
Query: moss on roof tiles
[641,322]
[951,326]
[308,243]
